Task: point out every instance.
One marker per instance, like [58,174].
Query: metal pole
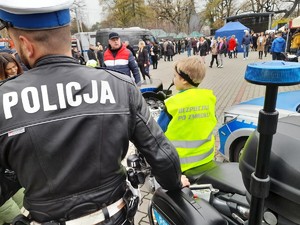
[260,180]
[77,23]
[270,22]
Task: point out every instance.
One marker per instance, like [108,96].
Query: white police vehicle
[241,120]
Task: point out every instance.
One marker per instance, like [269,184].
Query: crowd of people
[219,47]
[149,53]
[137,63]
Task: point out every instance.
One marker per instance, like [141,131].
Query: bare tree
[177,13]
[285,8]
[124,13]
[78,9]
[216,10]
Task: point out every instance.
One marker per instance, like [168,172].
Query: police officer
[64,127]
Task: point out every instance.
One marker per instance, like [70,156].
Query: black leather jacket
[64,129]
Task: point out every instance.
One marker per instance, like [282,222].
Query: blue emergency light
[278,73]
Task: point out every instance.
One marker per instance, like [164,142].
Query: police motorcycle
[219,184]
[229,199]
[272,198]
[171,207]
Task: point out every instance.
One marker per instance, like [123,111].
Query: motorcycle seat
[224,176]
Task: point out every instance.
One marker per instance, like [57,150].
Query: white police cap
[35,14]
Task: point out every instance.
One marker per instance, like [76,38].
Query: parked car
[241,120]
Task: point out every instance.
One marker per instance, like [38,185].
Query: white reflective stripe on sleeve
[117,62]
[197,158]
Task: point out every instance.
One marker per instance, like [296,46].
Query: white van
[82,41]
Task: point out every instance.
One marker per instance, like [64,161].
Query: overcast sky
[93,12]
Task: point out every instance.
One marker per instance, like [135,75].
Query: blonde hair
[141,44]
[192,66]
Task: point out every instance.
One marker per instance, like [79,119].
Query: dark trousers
[213,58]
[260,54]
[154,61]
[165,55]
[276,56]
[235,52]
[195,51]
[143,71]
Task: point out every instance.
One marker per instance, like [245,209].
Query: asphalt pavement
[229,86]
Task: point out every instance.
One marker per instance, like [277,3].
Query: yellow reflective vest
[191,127]
[295,41]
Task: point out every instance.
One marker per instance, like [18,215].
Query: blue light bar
[279,73]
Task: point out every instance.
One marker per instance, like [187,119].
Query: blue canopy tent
[233,28]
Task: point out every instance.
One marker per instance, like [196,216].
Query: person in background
[65,127]
[91,52]
[165,44]
[15,54]
[295,42]
[268,45]
[278,46]
[246,42]
[203,48]
[190,131]
[235,52]
[9,66]
[99,54]
[214,53]
[226,44]
[254,41]
[261,42]
[195,46]
[170,50]
[221,51]
[143,60]
[183,47]
[119,58]
[179,46]
[128,46]
[231,46]
[76,55]
[154,51]
[189,47]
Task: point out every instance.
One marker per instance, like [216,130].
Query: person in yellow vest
[295,42]
[189,117]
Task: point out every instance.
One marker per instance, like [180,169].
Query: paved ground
[229,87]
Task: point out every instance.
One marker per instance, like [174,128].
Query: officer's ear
[27,45]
